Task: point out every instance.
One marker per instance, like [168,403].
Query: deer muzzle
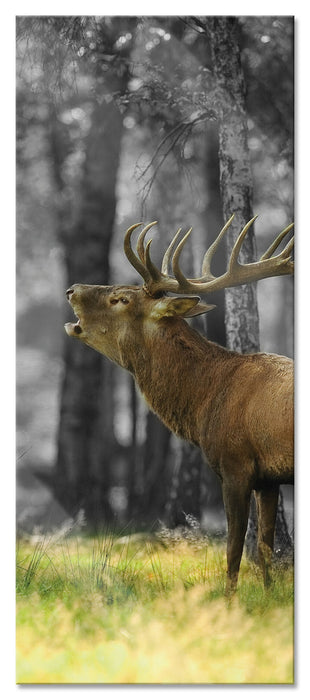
[72,329]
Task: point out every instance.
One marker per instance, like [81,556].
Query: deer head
[110,317]
[113,318]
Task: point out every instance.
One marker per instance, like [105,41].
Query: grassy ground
[130,610]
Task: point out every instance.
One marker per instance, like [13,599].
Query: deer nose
[75,289]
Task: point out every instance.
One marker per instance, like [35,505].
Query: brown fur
[237,408]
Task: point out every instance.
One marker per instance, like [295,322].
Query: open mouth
[74,328]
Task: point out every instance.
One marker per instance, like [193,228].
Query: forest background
[117,118]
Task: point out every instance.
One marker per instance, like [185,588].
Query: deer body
[237,408]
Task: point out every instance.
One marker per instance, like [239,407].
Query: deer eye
[113,301]
[124,300]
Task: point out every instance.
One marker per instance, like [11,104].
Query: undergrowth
[126,609]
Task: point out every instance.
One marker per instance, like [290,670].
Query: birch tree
[241,312]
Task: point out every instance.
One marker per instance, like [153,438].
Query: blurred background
[115,124]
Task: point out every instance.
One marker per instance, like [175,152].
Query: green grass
[137,610]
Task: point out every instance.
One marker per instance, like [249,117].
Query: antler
[156,280]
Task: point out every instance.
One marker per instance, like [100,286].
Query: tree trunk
[241,312]
[185,492]
[214,222]
[86,441]
[155,475]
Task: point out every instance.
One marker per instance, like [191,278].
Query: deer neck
[175,369]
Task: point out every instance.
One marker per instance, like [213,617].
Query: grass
[141,610]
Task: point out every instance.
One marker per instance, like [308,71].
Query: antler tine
[284,258]
[168,254]
[131,256]
[182,280]
[153,270]
[277,242]
[233,261]
[267,266]
[140,241]
[288,249]
[206,265]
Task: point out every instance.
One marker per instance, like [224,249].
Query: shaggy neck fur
[168,369]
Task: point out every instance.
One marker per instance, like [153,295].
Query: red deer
[237,408]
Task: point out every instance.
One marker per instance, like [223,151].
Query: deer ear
[179,306]
[200,308]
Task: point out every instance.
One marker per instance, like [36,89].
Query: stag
[237,408]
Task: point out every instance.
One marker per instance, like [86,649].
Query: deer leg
[237,506]
[266,503]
